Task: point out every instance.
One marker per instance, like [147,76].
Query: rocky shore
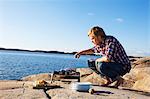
[135,86]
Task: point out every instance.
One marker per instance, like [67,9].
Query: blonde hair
[97,31]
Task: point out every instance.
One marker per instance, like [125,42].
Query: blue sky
[62,25]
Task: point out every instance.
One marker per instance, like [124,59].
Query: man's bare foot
[108,81]
[118,82]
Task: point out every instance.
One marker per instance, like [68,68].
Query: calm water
[14,65]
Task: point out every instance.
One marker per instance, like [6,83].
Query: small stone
[91,90]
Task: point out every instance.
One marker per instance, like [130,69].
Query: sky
[62,25]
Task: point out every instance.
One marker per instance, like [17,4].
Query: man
[114,62]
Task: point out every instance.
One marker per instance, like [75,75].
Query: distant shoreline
[58,52]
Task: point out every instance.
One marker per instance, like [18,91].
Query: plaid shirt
[114,51]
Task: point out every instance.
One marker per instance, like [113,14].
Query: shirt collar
[102,43]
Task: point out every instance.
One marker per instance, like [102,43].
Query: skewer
[51,77]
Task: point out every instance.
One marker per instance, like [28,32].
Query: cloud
[120,20]
[138,53]
[91,14]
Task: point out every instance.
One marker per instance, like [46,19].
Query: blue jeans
[110,69]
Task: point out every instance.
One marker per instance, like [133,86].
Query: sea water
[17,64]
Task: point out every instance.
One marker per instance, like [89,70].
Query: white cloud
[119,20]
[91,14]
[138,53]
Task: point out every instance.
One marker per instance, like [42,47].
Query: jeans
[110,69]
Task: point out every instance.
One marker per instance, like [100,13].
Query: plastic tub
[81,86]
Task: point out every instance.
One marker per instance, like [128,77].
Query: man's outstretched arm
[84,52]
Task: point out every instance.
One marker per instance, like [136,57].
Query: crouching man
[114,62]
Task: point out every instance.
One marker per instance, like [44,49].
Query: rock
[21,93]
[142,62]
[88,75]
[135,78]
[84,71]
[42,76]
[65,92]
[142,78]
[99,93]
[143,84]
[127,83]
[46,77]
[19,90]
[94,79]
[10,84]
[137,73]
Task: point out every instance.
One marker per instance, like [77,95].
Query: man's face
[96,40]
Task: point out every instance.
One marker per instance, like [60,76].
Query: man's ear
[99,37]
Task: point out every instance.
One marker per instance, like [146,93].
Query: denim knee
[101,68]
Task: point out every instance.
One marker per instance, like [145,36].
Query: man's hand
[77,55]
